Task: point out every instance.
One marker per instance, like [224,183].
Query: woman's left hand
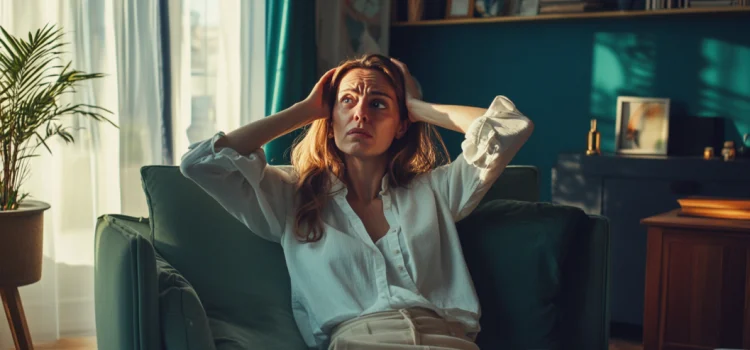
[412,89]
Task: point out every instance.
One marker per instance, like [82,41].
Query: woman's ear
[402,128]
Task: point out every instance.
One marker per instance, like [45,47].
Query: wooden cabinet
[697,293]
[626,189]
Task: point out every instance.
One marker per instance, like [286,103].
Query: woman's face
[366,114]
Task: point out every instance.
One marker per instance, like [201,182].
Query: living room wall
[563,73]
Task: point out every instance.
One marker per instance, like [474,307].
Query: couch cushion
[184,324]
[515,252]
[231,336]
[240,278]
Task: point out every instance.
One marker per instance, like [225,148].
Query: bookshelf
[573,16]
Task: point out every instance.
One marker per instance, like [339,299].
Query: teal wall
[563,73]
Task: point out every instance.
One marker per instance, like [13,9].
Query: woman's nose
[360,114]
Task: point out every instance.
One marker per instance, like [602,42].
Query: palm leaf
[31,85]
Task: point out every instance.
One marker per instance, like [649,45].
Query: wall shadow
[563,73]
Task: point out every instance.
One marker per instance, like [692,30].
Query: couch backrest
[518,182]
[239,277]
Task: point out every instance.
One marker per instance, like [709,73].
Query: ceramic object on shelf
[728,152]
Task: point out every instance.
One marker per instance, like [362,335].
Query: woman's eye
[346,99]
[378,104]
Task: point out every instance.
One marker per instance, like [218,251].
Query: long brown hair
[315,156]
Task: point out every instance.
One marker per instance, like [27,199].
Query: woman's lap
[401,330]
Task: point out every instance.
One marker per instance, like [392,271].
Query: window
[217,55]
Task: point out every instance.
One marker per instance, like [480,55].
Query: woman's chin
[360,150]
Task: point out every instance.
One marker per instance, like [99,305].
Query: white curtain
[95,175]
[218,77]
[138,42]
[216,82]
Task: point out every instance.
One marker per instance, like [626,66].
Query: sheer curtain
[216,82]
[217,67]
[93,176]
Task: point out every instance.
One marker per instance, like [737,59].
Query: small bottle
[728,152]
[708,153]
[594,140]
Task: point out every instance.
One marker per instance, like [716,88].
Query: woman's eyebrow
[381,93]
[373,92]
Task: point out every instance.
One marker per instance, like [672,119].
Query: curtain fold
[290,64]
[98,174]
[137,37]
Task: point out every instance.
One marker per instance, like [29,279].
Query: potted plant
[33,80]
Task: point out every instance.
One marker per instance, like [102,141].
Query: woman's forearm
[252,136]
[452,117]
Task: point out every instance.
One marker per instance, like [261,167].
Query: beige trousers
[404,329]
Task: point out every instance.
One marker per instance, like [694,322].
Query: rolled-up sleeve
[252,191]
[492,140]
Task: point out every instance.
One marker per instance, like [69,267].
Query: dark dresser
[627,189]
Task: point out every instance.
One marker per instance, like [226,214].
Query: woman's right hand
[316,103]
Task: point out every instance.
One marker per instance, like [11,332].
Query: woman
[366,214]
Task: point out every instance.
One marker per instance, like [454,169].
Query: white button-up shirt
[418,263]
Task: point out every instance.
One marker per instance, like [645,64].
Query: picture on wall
[642,125]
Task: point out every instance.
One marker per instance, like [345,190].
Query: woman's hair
[315,156]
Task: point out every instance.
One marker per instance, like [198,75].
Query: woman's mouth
[358,132]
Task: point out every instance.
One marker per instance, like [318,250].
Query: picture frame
[642,125]
[459,9]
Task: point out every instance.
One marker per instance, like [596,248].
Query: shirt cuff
[226,158]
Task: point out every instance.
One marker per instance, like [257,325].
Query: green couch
[192,277]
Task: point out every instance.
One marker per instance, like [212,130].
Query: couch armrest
[586,306]
[126,287]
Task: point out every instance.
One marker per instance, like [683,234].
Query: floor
[69,344]
[616,344]
[90,344]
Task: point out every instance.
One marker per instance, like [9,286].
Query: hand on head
[317,101]
[412,86]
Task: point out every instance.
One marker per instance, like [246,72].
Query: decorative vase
[593,140]
[21,233]
[416,10]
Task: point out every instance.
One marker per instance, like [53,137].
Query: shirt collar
[339,188]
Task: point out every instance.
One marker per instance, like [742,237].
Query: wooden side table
[697,283]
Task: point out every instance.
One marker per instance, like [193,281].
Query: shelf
[566,16]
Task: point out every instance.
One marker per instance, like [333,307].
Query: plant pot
[21,233]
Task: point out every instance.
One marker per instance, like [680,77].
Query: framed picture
[459,8]
[642,125]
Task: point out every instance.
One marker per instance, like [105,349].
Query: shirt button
[396,251]
[401,268]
